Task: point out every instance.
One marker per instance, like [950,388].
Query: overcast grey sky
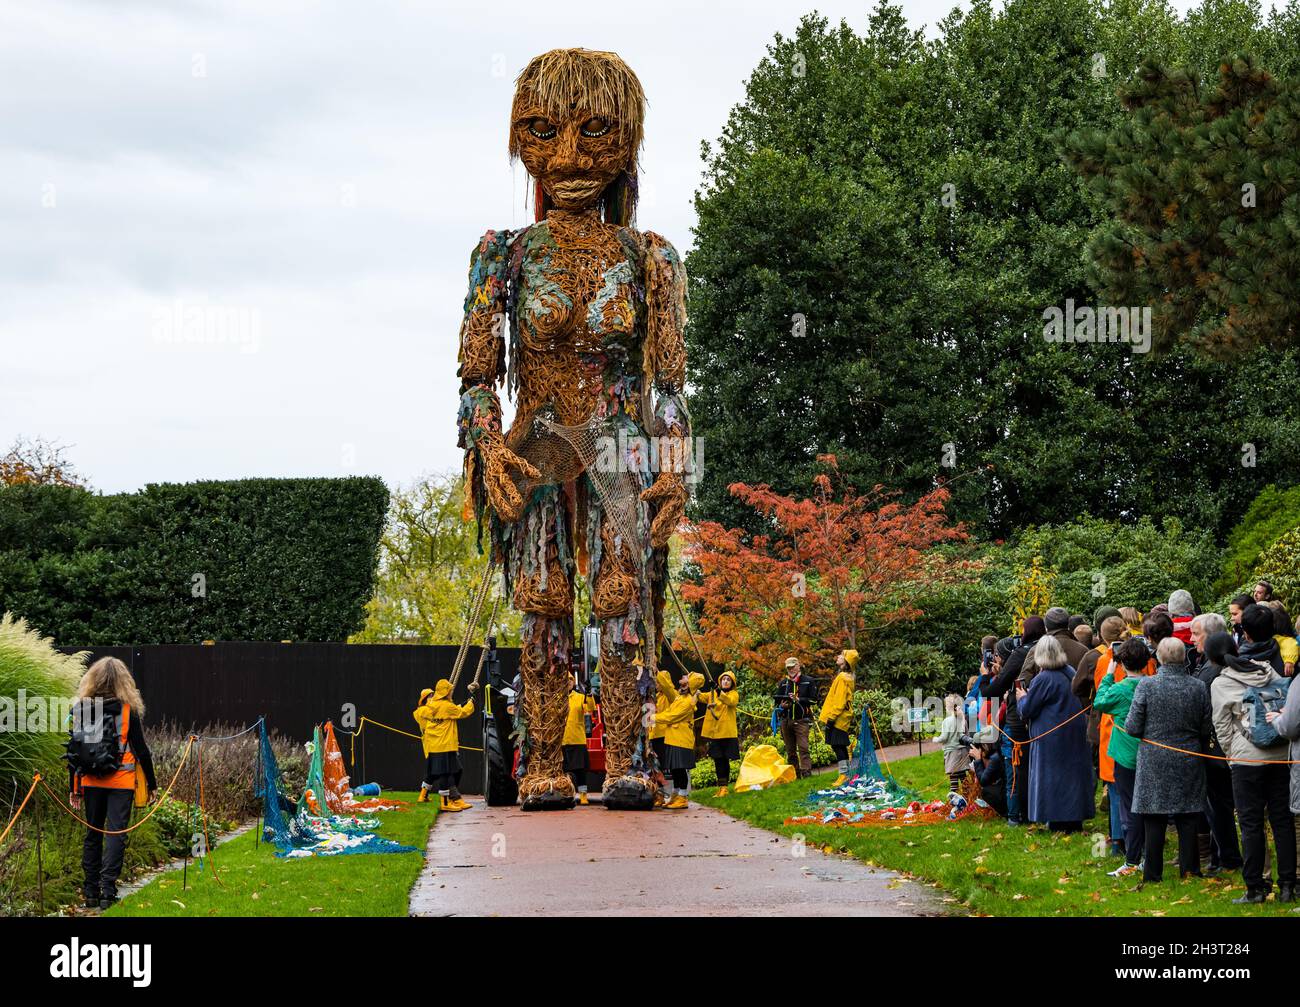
[313,174]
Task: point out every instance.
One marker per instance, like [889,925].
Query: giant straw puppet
[581,316]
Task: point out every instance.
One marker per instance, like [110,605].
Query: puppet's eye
[595,126]
[541,128]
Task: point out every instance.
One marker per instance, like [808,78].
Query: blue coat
[1061,786]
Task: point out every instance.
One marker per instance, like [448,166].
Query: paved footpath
[593,862]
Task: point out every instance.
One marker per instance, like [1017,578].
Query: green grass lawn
[255,882]
[990,868]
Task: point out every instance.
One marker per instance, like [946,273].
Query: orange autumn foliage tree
[833,569]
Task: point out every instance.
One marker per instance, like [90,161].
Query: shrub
[29,664]
[1280,566]
[1272,514]
[251,559]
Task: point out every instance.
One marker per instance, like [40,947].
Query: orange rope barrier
[157,804]
[30,790]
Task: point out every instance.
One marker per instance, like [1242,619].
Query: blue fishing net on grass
[296,830]
[868,787]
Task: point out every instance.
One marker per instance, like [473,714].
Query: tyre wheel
[499,786]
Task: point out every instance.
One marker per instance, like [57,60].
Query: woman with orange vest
[108,796]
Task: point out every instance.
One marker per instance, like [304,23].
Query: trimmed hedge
[280,559]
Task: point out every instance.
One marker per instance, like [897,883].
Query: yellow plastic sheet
[763,768]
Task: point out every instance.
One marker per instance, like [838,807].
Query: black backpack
[95,747]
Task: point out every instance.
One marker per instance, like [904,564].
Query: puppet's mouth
[576,189]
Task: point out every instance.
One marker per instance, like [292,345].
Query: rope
[1207,755]
[367,720]
[476,610]
[30,790]
[232,737]
[482,654]
[677,602]
[157,804]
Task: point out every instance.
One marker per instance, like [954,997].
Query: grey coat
[1173,708]
[1288,725]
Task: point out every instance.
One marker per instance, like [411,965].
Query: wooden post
[40,861]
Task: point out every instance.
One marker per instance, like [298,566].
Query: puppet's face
[574,158]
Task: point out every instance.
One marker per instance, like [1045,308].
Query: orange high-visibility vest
[124,778]
[1105,764]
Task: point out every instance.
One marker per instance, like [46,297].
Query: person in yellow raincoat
[720,728]
[575,739]
[679,736]
[837,712]
[663,698]
[437,716]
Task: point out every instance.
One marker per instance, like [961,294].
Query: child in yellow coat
[437,716]
[679,734]
[575,739]
[720,728]
[837,712]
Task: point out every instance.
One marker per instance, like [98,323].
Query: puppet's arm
[665,284]
[488,462]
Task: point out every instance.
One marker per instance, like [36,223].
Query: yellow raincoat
[720,717]
[575,728]
[437,720]
[763,767]
[837,708]
[663,699]
[679,718]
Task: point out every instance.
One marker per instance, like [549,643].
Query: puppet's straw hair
[599,83]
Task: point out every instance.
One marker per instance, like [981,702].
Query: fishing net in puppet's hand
[296,831]
[338,787]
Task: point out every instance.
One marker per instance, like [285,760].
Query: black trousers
[1189,852]
[681,778]
[1221,811]
[101,856]
[1260,792]
[722,769]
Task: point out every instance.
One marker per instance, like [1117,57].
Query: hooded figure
[720,728]
[837,712]
[679,736]
[581,706]
[437,716]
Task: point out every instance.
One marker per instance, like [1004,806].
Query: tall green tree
[882,225]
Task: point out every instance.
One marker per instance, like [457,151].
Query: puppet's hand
[501,467]
[669,493]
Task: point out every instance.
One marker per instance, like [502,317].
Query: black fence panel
[298,685]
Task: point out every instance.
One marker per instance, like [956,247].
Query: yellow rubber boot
[839,781]
[659,799]
[677,803]
[449,805]
[582,799]
[424,796]
[722,792]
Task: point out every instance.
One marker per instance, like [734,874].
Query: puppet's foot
[546,793]
[629,793]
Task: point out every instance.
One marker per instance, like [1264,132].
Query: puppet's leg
[626,692]
[545,596]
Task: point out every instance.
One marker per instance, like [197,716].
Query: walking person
[1225,849]
[108,730]
[1172,709]
[794,703]
[437,716]
[1261,782]
[1060,776]
[574,744]
[679,738]
[837,713]
[721,729]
